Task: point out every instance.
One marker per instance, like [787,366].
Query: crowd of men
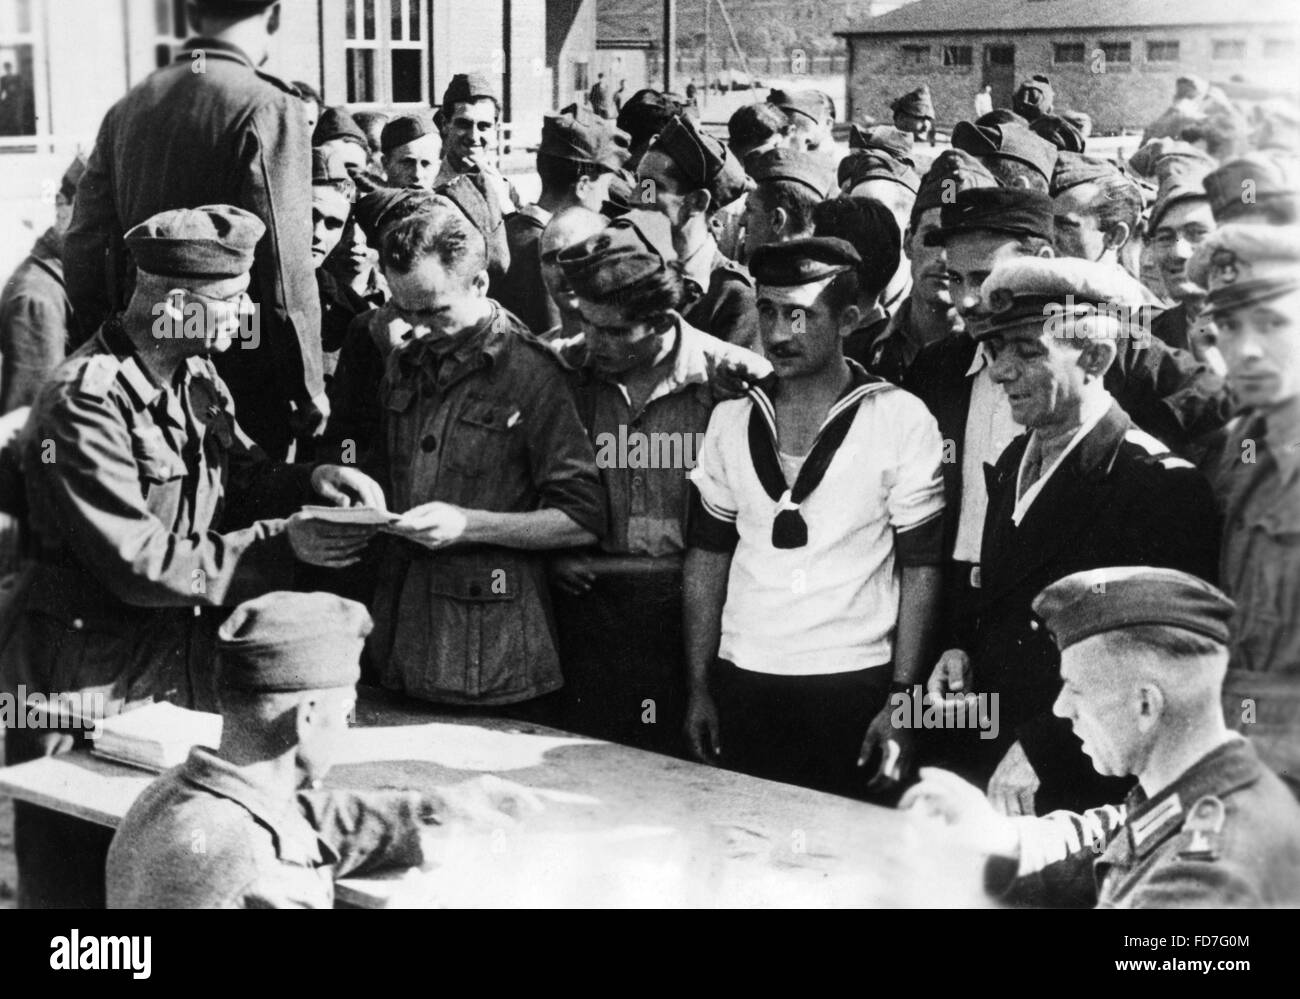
[738,449]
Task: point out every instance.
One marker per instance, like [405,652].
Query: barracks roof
[955,16]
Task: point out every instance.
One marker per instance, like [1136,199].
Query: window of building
[957,55]
[387,52]
[581,77]
[916,55]
[1162,51]
[1228,48]
[18,45]
[1068,52]
[1120,53]
[169,30]
[1279,48]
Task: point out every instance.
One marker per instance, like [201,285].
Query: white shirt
[989,429]
[983,103]
[1093,410]
[832,605]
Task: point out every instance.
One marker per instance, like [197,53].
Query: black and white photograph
[650,454]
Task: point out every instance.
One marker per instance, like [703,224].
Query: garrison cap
[284,642]
[646,112]
[1002,116]
[1242,264]
[891,141]
[380,209]
[862,165]
[1015,212]
[1095,601]
[1161,158]
[753,124]
[72,177]
[1029,289]
[869,227]
[622,195]
[579,136]
[211,242]
[1063,134]
[1008,142]
[465,88]
[1263,176]
[808,103]
[1073,169]
[633,248]
[1175,188]
[802,261]
[407,128]
[794,165]
[336,123]
[704,161]
[952,172]
[917,103]
[1034,97]
[1081,120]
[327,168]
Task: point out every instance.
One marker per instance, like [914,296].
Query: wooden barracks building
[1117,60]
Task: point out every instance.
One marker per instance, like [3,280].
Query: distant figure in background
[914,113]
[811,114]
[602,102]
[984,100]
[618,95]
[1033,98]
[35,312]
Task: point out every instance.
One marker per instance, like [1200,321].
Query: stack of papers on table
[157,737]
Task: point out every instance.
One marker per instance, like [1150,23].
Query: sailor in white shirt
[813,570]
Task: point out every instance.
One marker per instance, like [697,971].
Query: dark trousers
[804,730]
[60,858]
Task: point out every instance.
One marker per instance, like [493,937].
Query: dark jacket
[35,318]
[1119,498]
[523,291]
[727,307]
[1168,393]
[229,134]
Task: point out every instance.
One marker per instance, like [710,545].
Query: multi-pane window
[17,68]
[169,29]
[1162,51]
[957,55]
[581,77]
[916,55]
[1067,52]
[1279,48]
[1117,53]
[387,51]
[1228,48]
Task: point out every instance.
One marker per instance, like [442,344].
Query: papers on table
[362,515]
[157,737]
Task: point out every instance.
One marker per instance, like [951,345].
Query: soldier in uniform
[212,128]
[914,113]
[470,122]
[1143,657]
[579,156]
[143,493]
[692,175]
[412,151]
[36,318]
[1033,98]
[789,184]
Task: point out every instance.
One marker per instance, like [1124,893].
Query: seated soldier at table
[642,379]
[1143,656]
[235,828]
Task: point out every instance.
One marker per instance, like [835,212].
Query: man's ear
[698,202]
[780,218]
[1100,349]
[850,318]
[479,282]
[1150,705]
[1118,235]
[907,243]
[1047,251]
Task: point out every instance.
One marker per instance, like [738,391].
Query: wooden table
[621,827]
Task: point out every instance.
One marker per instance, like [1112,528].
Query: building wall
[578,46]
[632,65]
[1116,97]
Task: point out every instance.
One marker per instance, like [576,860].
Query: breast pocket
[157,462]
[485,437]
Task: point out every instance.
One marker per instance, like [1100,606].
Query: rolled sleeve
[713,501]
[916,495]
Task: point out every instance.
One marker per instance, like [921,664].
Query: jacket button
[475,590]
[1033,625]
[430,443]
[78,624]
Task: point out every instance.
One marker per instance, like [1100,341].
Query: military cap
[1242,264]
[1008,142]
[72,177]
[407,128]
[862,165]
[328,168]
[808,103]
[578,136]
[952,172]
[802,261]
[284,642]
[465,88]
[1096,601]
[917,103]
[704,162]
[336,123]
[1028,289]
[1064,135]
[646,112]
[380,209]
[753,124]
[1033,97]
[891,141]
[1081,120]
[794,165]
[1174,190]
[1002,116]
[633,248]
[1165,157]
[869,227]
[211,242]
[1015,212]
[1263,176]
[1073,169]
[622,195]
[478,202]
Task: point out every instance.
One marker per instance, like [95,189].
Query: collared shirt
[727,305]
[1094,410]
[506,194]
[830,606]
[490,425]
[645,456]
[989,429]
[1257,481]
[204,835]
